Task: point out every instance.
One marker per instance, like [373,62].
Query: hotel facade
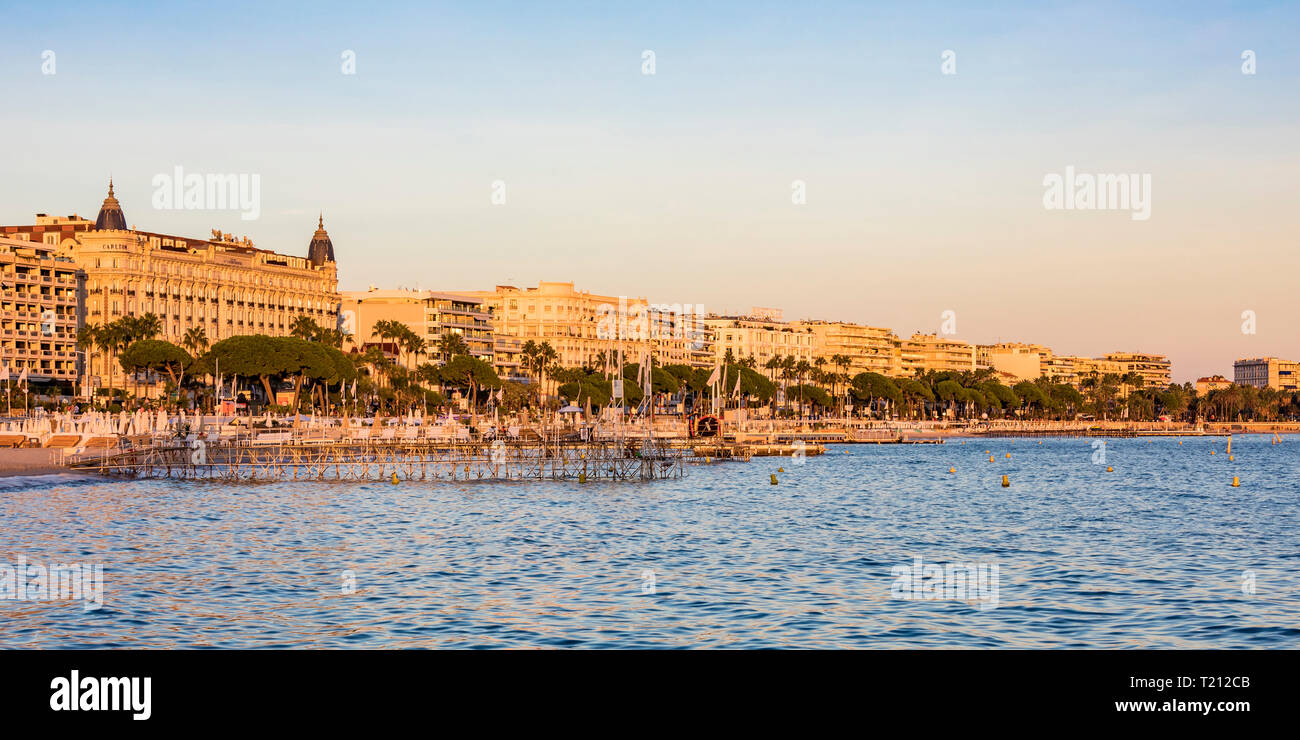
[222,285]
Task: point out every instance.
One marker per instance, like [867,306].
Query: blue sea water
[1163,552]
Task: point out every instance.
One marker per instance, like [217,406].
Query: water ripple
[1154,554]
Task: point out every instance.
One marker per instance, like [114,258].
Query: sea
[1119,543]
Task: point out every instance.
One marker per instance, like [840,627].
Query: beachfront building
[761,335]
[1020,361]
[1153,369]
[870,349]
[222,285]
[1090,366]
[1267,372]
[582,327]
[934,352]
[1211,383]
[38,311]
[431,315]
[1062,369]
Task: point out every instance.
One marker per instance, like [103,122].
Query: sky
[923,191]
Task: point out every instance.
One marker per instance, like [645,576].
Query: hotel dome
[321,249]
[110,214]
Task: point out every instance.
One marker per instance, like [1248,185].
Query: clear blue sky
[924,190]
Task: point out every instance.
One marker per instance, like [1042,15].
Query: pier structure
[387,461]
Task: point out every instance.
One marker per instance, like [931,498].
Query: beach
[28,461]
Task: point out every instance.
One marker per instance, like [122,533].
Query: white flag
[22,378]
[716,375]
[737,391]
[354,388]
[4,373]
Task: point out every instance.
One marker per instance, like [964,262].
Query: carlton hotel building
[223,285]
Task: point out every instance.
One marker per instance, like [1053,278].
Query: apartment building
[431,315]
[762,337]
[1154,369]
[1019,360]
[1267,372]
[869,348]
[935,352]
[582,327]
[39,309]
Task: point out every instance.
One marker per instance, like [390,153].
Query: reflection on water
[1151,555]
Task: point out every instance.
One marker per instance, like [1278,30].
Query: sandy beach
[23,461]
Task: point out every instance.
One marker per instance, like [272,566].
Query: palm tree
[386,329]
[195,340]
[147,326]
[546,358]
[414,344]
[452,344]
[842,362]
[304,327]
[88,341]
[801,369]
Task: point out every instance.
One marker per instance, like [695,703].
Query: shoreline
[26,461]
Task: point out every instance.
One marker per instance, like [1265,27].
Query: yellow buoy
[1109,469]
[1006,482]
[780,470]
[394,477]
[1236,482]
[774,479]
[952,470]
[1211,452]
[990,458]
[1231,458]
[1008,455]
[582,477]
